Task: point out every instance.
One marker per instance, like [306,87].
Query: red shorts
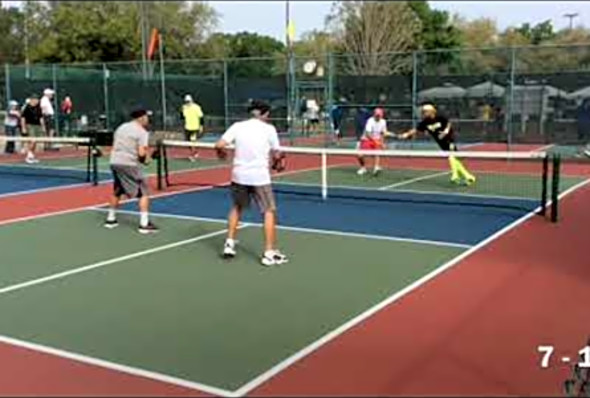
[370,144]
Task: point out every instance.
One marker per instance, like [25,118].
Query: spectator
[67,107]
[32,125]
[48,111]
[11,124]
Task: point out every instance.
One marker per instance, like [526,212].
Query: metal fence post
[510,113]
[55,104]
[225,94]
[7,83]
[414,88]
[105,87]
[331,99]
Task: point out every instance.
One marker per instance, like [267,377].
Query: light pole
[571,17]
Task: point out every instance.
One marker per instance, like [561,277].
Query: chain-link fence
[535,94]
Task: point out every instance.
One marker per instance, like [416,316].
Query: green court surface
[423,180]
[169,304]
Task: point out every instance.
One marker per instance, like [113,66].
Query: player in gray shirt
[129,153]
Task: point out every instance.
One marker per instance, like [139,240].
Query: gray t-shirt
[126,142]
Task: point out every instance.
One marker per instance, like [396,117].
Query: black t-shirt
[33,114]
[436,126]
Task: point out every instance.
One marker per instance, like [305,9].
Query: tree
[11,34]
[539,33]
[251,54]
[314,43]
[479,36]
[369,30]
[80,31]
[437,33]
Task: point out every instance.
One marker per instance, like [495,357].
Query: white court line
[115,366]
[302,229]
[100,264]
[152,196]
[543,148]
[286,363]
[47,189]
[412,180]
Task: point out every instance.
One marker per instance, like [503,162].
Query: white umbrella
[446,91]
[486,89]
[547,90]
[581,93]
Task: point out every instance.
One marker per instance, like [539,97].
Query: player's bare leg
[233,220]
[362,170]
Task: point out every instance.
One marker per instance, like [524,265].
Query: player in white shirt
[254,141]
[373,139]
[48,111]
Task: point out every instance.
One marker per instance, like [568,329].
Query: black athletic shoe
[148,229]
[110,224]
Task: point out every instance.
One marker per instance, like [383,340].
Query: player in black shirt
[441,130]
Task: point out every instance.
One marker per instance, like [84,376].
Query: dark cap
[140,111]
[258,105]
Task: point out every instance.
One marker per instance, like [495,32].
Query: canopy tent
[486,89]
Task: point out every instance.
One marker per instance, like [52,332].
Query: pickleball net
[519,181]
[56,158]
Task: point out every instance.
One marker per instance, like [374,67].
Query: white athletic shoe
[273,257]
[229,250]
[362,171]
[587,152]
[377,170]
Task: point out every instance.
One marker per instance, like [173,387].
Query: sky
[268,16]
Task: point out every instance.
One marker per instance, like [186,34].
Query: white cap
[48,91]
[12,103]
[188,98]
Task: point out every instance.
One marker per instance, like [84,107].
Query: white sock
[111,216]
[144,218]
[230,242]
[30,155]
[269,253]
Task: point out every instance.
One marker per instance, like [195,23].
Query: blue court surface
[386,214]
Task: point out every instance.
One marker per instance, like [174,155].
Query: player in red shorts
[373,139]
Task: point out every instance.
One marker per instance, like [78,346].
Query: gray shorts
[262,195]
[129,181]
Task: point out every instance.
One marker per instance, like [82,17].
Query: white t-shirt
[375,129]
[253,140]
[47,106]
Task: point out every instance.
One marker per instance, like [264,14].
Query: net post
[164,156]
[545,176]
[324,175]
[89,155]
[94,158]
[555,187]
[159,163]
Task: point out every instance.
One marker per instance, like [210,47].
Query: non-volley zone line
[299,229]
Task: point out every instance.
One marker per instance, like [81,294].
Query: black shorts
[49,125]
[192,135]
[447,145]
[129,181]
